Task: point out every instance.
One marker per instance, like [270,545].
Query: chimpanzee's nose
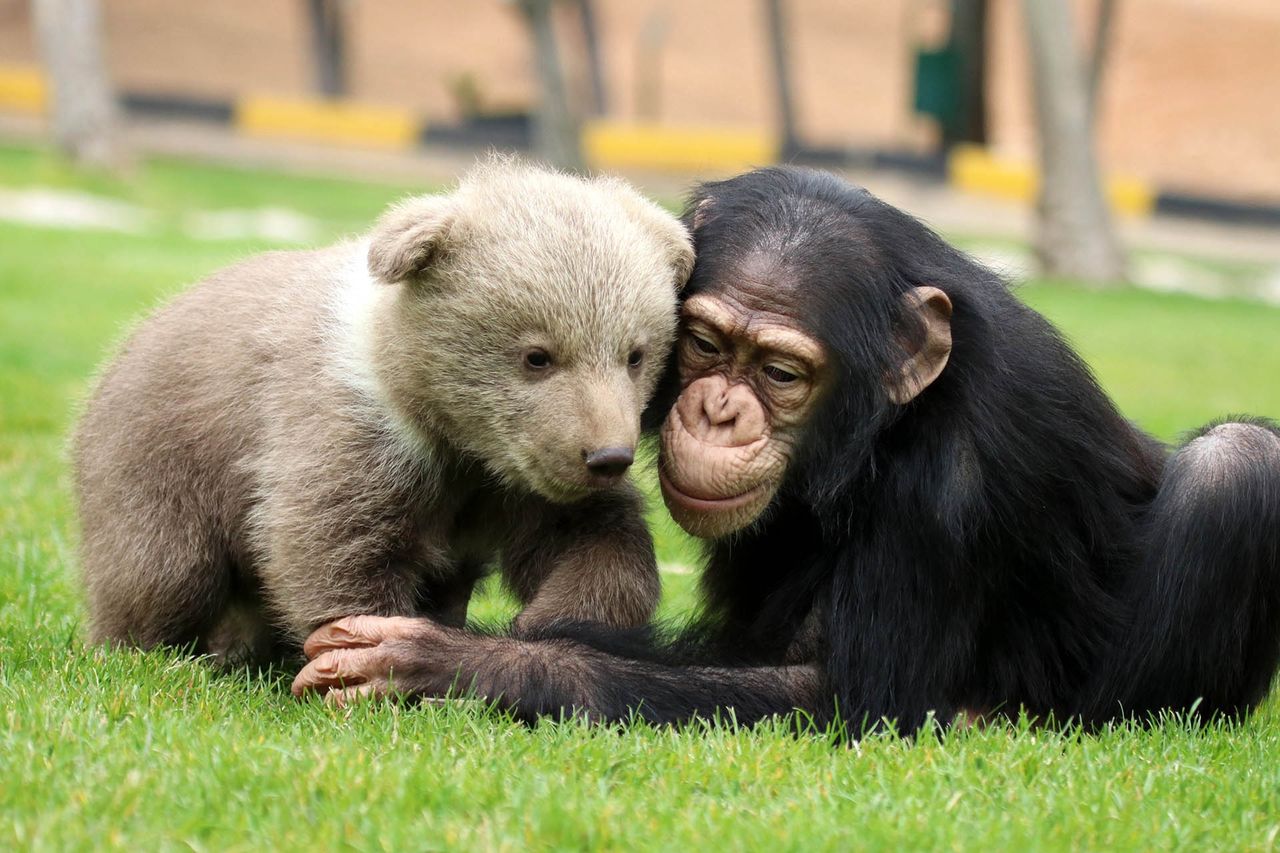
[721,409]
[609,462]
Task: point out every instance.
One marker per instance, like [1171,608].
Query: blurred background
[1187,95]
[1128,109]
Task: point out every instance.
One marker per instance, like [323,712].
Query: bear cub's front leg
[588,562]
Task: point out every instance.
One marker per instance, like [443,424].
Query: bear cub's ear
[671,233]
[673,236]
[682,257]
[410,237]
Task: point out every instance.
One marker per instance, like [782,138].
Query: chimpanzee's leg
[1206,594]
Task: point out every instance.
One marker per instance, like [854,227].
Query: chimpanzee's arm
[532,678]
[899,633]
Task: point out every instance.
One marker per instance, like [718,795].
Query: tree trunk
[327,19]
[778,44]
[1098,55]
[595,63]
[1075,236]
[555,128]
[969,41]
[648,76]
[85,114]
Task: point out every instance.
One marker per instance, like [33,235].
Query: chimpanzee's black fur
[1006,540]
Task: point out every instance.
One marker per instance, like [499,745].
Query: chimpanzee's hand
[376,655]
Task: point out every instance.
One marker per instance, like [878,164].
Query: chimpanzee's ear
[701,213]
[410,237]
[926,355]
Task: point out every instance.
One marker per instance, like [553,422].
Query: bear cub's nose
[609,463]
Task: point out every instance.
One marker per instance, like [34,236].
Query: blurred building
[1188,100]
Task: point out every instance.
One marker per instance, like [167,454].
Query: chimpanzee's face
[750,379]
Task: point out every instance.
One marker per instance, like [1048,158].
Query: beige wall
[1190,98]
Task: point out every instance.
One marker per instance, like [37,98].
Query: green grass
[170,186]
[153,751]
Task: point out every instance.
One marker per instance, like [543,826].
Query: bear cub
[366,428]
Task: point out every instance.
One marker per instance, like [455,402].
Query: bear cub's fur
[364,428]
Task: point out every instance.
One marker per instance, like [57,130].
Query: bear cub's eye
[537,359]
[635,358]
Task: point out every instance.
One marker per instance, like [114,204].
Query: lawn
[153,752]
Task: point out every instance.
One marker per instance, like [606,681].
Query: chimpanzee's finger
[350,695]
[356,631]
[341,668]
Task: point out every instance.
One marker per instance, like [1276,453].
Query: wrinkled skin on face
[752,375]
[750,379]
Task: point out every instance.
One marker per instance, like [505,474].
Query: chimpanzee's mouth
[706,505]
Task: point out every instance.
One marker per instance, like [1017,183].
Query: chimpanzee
[917,499]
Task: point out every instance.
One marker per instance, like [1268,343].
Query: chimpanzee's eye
[777,374]
[537,359]
[705,346]
[634,359]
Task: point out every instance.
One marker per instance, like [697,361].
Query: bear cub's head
[532,315]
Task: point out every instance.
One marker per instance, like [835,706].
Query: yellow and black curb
[974,169]
[22,89]
[611,144]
